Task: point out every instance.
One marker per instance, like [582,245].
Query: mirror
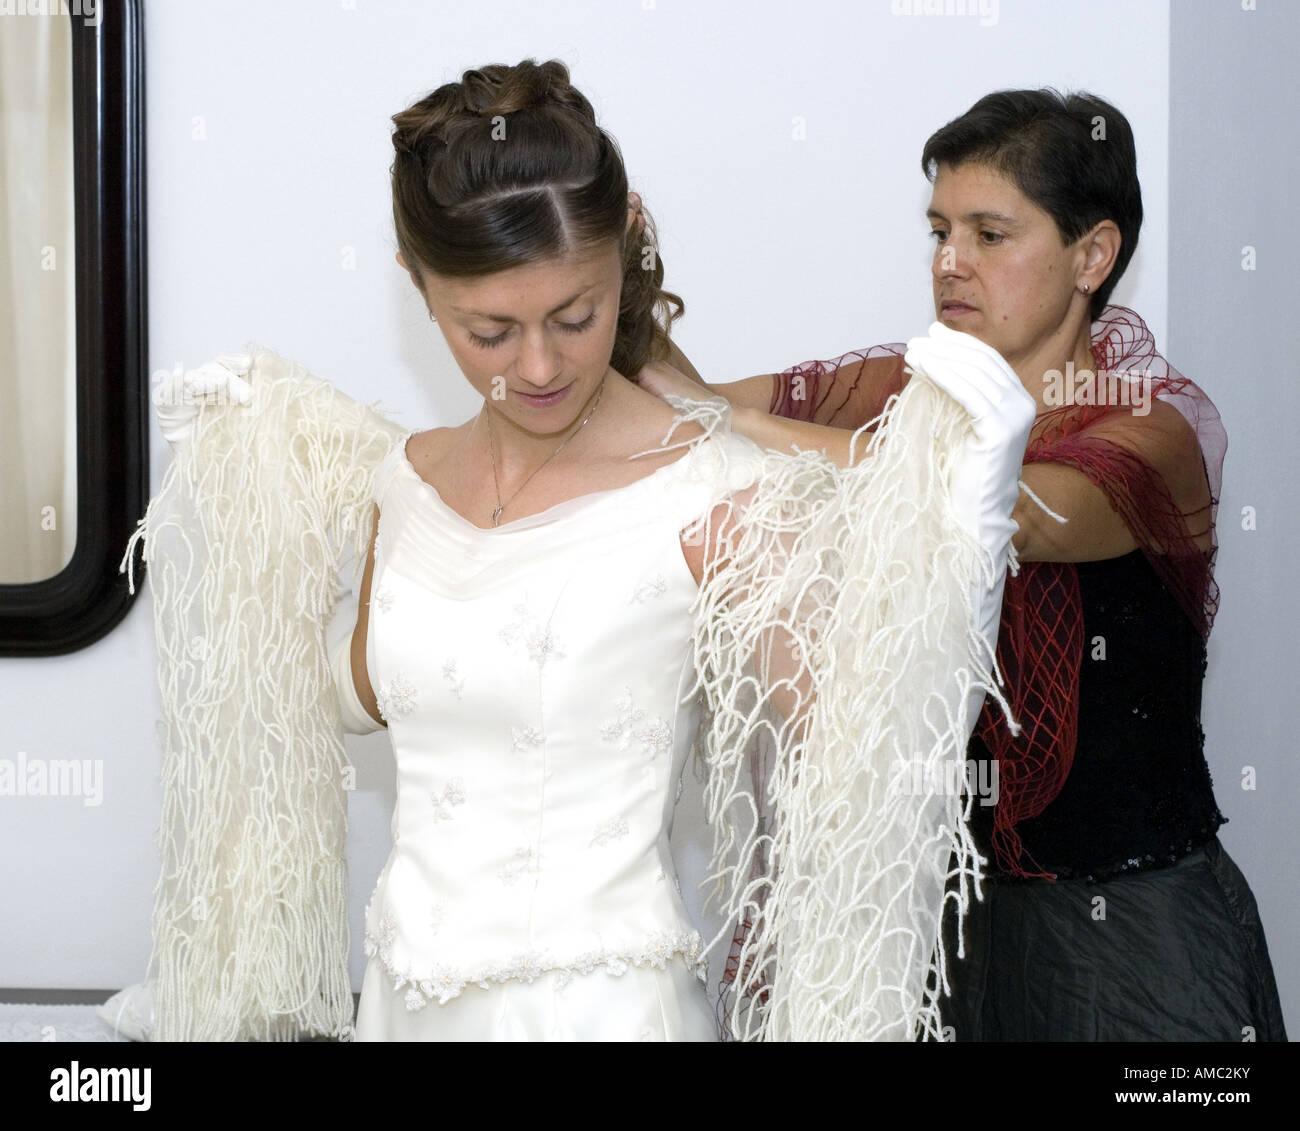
[38,418]
[73,371]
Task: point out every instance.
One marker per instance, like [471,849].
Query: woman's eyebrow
[973,217]
[507,318]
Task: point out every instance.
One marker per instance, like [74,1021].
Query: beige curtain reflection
[38,459]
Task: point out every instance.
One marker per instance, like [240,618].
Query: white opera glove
[220,381]
[338,642]
[986,476]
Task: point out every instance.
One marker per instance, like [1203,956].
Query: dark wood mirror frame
[89,597]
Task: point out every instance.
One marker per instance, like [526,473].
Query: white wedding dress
[532,678]
[533,675]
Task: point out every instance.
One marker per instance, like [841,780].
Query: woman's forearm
[779,434]
[748,392]
[749,400]
[682,364]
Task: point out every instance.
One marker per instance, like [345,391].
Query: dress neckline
[576,503]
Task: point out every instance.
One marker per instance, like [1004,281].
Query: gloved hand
[219,381]
[986,476]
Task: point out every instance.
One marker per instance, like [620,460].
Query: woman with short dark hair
[1111,912]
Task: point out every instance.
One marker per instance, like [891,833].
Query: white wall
[1235,148]
[268,147]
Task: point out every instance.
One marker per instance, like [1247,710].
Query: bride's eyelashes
[566,327]
[484,343]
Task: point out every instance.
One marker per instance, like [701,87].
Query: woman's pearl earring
[1086,288]
[431,317]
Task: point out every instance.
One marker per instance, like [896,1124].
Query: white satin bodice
[532,679]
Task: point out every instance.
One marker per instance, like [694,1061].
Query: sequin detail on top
[1139,793]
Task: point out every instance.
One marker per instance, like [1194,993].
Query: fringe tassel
[250,925]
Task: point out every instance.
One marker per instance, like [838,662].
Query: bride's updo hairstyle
[508,167]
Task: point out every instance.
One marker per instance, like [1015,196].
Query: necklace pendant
[496,514]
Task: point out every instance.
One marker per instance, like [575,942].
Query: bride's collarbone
[465,482]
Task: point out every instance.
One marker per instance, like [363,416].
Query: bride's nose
[538,362]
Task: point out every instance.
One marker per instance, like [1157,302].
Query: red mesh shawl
[1041,642]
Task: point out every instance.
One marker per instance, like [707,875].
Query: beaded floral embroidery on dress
[539,641]
[454,680]
[656,737]
[453,794]
[521,740]
[610,831]
[395,698]
[525,861]
[648,590]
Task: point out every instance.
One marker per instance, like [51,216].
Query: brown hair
[508,166]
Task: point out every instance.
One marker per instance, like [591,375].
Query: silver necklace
[496,513]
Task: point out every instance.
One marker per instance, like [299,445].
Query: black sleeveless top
[1138,794]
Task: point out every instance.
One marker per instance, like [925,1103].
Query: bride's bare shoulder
[427,449]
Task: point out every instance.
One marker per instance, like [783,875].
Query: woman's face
[1001,271]
[536,340]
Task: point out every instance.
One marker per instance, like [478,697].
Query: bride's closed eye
[567,327]
[578,327]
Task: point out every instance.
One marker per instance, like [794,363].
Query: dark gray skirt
[1171,954]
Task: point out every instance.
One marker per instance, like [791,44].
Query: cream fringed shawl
[836,828]
[838,823]
[243,541]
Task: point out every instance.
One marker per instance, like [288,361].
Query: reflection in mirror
[38,402]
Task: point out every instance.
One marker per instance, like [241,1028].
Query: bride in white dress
[557,605]
[530,676]
[525,615]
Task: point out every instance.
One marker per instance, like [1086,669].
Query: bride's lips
[952,309]
[547,400]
